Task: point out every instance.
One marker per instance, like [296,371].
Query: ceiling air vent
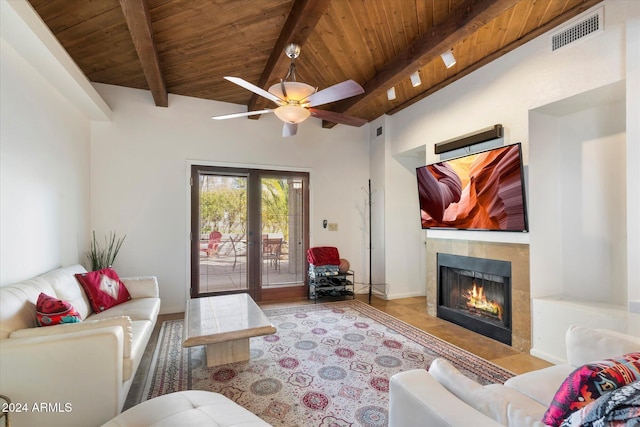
[577,29]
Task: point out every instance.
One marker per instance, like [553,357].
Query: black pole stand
[370,242]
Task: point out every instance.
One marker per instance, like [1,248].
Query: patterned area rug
[327,365]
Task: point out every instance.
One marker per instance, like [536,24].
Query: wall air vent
[577,29]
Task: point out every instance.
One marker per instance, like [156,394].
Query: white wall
[139,184]
[592,148]
[44,173]
[377,175]
[633,157]
[580,175]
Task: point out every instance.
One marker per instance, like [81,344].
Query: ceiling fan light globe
[292,113]
[296,91]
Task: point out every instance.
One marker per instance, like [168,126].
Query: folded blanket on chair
[323,255]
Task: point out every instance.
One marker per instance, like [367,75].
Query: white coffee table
[224,324]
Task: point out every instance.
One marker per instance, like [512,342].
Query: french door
[249,232]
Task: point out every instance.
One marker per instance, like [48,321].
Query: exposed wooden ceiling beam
[301,21]
[460,24]
[136,13]
[587,4]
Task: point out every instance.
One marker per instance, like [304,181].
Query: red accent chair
[214,242]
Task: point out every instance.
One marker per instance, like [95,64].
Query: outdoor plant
[103,257]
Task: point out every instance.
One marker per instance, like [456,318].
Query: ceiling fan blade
[289,129]
[244,114]
[334,117]
[346,89]
[255,89]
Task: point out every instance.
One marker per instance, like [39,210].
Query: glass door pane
[222,234]
[282,228]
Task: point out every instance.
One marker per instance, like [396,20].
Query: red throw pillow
[103,288]
[587,383]
[54,311]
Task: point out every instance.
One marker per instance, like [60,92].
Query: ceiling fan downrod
[292,50]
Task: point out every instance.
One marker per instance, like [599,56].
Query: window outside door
[249,232]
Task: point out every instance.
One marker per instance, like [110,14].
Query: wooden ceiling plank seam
[394,18]
[505,32]
[558,8]
[373,53]
[61,15]
[300,23]
[544,16]
[441,10]
[519,13]
[94,30]
[462,52]
[355,65]
[388,31]
[459,25]
[522,30]
[138,20]
[535,17]
[558,20]
[319,62]
[382,31]
[484,40]
[163,15]
[119,44]
[409,18]
[567,5]
[422,14]
[131,71]
[438,71]
[40,3]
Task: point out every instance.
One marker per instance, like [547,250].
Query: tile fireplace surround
[517,254]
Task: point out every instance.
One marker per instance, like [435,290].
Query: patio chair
[214,243]
[271,251]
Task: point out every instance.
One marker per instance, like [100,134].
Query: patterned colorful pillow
[589,382]
[103,288]
[621,408]
[53,311]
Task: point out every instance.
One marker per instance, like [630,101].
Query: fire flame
[478,300]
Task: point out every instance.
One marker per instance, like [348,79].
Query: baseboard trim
[391,296]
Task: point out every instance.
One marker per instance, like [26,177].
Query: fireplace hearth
[475,293]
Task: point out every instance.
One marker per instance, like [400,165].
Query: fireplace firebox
[475,293]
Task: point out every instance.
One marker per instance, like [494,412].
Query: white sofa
[74,374]
[443,397]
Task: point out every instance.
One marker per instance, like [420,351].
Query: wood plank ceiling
[186,47]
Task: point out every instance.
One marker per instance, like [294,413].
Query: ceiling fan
[296,100]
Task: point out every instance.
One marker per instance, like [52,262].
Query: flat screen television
[480,191]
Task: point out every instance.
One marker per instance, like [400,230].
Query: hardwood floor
[413,311]
[410,310]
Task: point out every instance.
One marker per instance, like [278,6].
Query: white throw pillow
[469,391]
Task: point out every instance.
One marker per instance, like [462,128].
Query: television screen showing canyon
[482,191]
